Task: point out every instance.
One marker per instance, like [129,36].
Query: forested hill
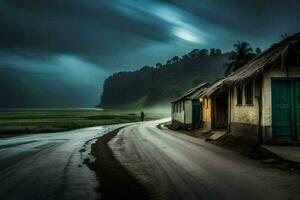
[151,86]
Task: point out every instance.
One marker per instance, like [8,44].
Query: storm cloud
[96,38]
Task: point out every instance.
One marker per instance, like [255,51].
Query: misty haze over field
[57,53]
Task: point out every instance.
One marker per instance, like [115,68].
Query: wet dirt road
[48,166]
[176,166]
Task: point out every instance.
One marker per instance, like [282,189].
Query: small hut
[263,97]
[186,110]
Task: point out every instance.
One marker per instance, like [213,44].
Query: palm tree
[258,51]
[241,55]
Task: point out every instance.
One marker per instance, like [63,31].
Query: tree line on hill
[196,53]
[151,85]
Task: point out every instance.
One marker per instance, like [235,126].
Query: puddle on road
[85,153]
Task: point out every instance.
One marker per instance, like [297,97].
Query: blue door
[297,109]
[282,108]
[196,115]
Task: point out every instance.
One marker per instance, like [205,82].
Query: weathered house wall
[178,113]
[244,119]
[206,113]
[188,112]
[183,115]
[244,114]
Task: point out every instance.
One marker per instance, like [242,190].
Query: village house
[215,107]
[186,110]
[260,100]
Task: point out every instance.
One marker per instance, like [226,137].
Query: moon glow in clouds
[186,35]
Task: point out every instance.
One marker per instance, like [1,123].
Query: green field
[25,121]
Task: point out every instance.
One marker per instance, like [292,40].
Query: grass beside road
[25,121]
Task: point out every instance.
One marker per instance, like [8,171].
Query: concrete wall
[244,119]
[183,116]
[245,114]
[188,109]
[178,115]
[206,113]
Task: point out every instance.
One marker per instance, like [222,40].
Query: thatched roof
[285,53]
[193,93]
[213,88]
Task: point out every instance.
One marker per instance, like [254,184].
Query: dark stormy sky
[83,41]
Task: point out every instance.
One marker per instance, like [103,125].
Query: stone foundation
[267,135]
[248,130]
[179,125]
[206,125]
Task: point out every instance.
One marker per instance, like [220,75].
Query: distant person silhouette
[142,116]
